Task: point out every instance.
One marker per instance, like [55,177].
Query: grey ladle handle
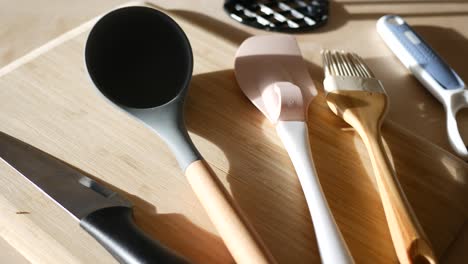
[238,234]
[180,143]
[168,122]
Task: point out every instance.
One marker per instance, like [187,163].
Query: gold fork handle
[409,240]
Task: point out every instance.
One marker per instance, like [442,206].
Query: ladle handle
[295,137]
[236,232]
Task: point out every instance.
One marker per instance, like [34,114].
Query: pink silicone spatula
[272,74]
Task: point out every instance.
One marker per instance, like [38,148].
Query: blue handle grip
[424,55]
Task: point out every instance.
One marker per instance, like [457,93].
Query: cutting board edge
[57,41]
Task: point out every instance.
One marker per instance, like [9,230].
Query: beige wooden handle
[236,232]
[410,242]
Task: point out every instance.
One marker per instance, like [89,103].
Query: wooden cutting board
[47,100]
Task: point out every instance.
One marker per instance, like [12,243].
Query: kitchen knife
[104,214]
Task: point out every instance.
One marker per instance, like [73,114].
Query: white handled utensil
[431,70]
[272,74]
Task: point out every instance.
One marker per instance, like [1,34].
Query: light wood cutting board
[47,100]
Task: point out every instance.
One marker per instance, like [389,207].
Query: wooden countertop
[25,26]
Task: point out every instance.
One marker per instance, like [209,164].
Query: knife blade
[103,213]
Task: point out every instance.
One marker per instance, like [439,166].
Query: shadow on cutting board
[176,231]
[438,200]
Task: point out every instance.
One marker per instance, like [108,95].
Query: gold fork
[354,94]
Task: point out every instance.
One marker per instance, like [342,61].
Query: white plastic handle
[295,137]
[452,105]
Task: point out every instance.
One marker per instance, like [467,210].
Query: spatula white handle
[295,137]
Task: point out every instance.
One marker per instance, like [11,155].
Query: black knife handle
[115,229]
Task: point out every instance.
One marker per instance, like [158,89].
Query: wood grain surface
[48,101]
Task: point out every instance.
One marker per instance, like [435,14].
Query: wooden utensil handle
[410,242]
[236,232]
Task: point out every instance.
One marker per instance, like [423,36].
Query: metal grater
[292,16]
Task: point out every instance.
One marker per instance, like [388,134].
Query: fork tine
[348,63]
[343,63]
[364,66]
[359,68]
[356,62]
[344,67]
[354,70]
[340,63]
[336,63]
[332,64]
[329,62]
[326,63]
